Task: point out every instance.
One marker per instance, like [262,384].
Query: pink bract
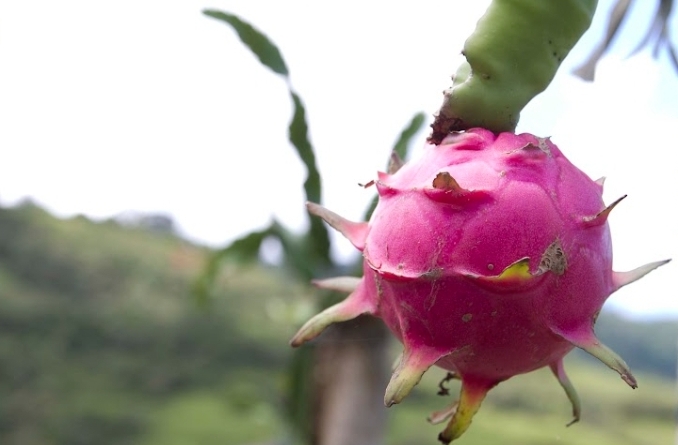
[490,256]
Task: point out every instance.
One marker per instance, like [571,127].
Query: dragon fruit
[489,257]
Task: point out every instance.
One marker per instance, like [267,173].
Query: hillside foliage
[102,342]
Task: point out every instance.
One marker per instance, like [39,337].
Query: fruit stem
[512,56]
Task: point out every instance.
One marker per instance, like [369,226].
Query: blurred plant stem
[351,368]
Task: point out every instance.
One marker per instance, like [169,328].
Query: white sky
[150,106]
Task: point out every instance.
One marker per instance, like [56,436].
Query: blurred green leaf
[402,145]
[658,31]
[587,70]
[300,393]
[296,257]
[673,55]
[262,47]
[318,245]
[401,148]
[298,133]
[241,250]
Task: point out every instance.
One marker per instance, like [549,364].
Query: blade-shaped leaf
[298,409]
[269,55]
[673,55]
[299,253]
[587,70]
[242,250]
[658,31]
[262,47]
[246,249]
[401,147]
[403,143]
[298,134]
[659,28]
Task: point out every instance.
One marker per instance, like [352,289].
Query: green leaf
[269,55]
[658,31]
[403,143]
[297,257]
[673,56]
[262,47]
[242,250]
[298,409]
[402,148]
[298,134]
[587,70]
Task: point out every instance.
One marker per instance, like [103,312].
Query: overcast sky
[150,106]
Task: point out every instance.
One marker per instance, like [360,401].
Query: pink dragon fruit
[489,257]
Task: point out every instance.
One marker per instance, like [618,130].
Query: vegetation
[101,342]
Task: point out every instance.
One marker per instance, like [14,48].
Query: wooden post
[351,371]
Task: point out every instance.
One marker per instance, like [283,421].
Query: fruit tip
[571,422]
[339,284]
[443,439]
[444,414]
[601,217]
[621,279]
[663,262]
[413,364]
[630,380]
[355,232]
[295,342]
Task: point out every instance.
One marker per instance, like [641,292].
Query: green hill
[101,342]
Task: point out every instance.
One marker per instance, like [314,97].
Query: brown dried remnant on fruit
[553,259]
[445,181]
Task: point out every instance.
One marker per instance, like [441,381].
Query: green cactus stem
[512,56]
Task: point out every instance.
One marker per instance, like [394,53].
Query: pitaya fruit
[489,257]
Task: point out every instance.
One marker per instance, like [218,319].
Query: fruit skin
[489,257]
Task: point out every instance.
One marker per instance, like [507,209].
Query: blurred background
[139,138]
